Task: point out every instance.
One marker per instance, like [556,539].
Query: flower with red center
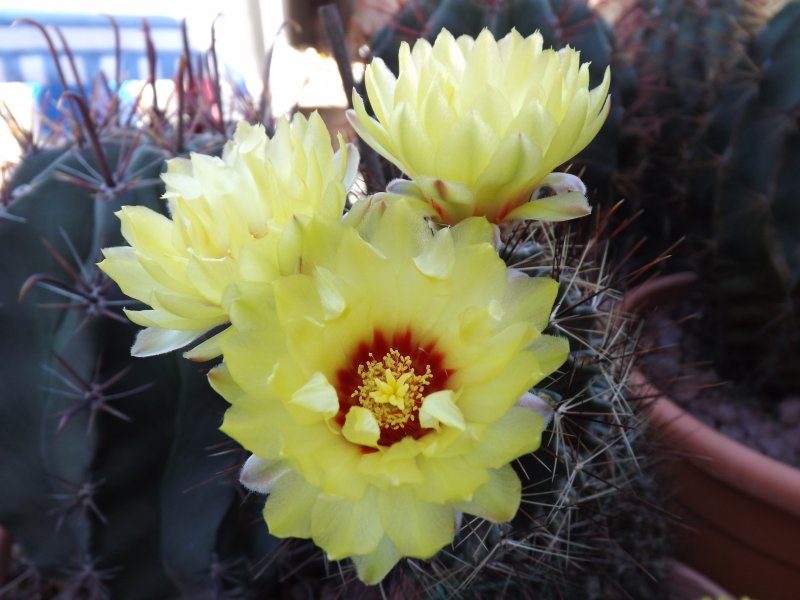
[379,392]
[390,378]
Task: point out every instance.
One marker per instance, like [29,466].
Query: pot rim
[684,578]
[723,458]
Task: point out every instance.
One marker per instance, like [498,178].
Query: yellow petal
[288,508]
[569,131]
[257,427]
[209,349]
[153,341]
[385,470]
[163,319]
[514,170]
[550,353]
[483,67]
[440,407]
[380,83]
[475,230]
[221,382]
[438,258]
[122,266]
[437,115]
[465,152]
[210,276]
[417,529]
[333,302]
[487,401]
[412,144]
[400,233]
[498,500]
[371,131]
[360,427]
[562,207]
[146,229]
[449,480]
[317,396]
[193,308]
[517,432]
[530,299]
[344,527]
[373,567]
[446,51]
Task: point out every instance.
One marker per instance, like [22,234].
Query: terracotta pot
[740,509]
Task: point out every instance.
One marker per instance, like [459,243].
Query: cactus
[568,540]
[681,54]
[711,146]
[118,482]
[753,270]
[118,471]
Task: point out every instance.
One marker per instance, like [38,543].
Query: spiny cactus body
[754,264]
[680,53]
[565,542]
[118,482]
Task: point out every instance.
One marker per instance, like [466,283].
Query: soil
[677,362]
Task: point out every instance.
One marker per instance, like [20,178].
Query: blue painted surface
[49,88]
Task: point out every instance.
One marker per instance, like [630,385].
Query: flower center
[391,389]
[390,375]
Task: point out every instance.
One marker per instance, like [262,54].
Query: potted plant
[118,475]
[739,507]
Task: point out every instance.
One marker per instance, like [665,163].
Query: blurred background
[244,33]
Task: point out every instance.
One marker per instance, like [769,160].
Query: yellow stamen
[391,389]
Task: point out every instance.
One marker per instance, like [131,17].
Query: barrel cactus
[680,55]
[708,145]
[119,483]
[753,270]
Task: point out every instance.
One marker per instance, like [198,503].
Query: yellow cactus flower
[478,124]
[223,209]
[379,392]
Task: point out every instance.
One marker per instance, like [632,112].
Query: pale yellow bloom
[478,125]
[226,215]
[378,392]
